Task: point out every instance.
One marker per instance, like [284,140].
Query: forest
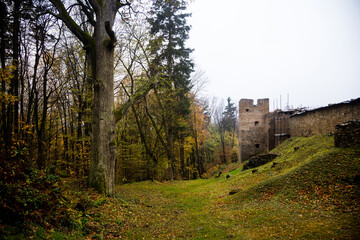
[107,133]
[106,93]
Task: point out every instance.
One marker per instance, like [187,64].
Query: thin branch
[95,5]
[47,12]
[88,12]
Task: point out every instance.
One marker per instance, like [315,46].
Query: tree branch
[84,37]
[110,32]
[120,112]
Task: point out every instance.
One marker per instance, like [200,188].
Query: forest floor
[313,192]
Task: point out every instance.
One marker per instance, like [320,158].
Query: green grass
[312,193]
[309,194]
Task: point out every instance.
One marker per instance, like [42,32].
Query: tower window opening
[257,145]
[256,123]
[247,110]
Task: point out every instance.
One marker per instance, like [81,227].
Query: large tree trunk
[103,146]
[100,50]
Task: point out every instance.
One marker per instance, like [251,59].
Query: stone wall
[347,134]
[261,131]
[253,127]
[323,120]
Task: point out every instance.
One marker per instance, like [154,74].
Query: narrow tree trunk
[3,87]
[56,147]
[222,139]
[15,81]
[182,156]
[12,110]
[72,138]
[34,81]
[170,141]
[197,154]
[168,146]
[142,137]
[41,160]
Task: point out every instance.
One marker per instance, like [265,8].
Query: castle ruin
[253,127]
[260,130]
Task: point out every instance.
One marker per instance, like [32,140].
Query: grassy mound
[315,168]
[311,192]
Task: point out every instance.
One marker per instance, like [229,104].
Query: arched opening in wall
[256,123]
[247,110]
[257,145]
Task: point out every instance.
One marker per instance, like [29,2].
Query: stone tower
[253,127]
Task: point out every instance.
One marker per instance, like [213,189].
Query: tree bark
[103,146]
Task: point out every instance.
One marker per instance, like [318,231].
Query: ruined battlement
[262,104]
[253,127]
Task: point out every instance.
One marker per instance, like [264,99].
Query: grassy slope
[310,194]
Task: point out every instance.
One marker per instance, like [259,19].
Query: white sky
[309,49]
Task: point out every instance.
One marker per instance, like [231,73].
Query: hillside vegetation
[311,193]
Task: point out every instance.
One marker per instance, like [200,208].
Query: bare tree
[218,118]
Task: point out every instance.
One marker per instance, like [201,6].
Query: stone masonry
[323,120]
[347,134]
[253,127]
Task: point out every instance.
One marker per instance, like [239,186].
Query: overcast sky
[307,49]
